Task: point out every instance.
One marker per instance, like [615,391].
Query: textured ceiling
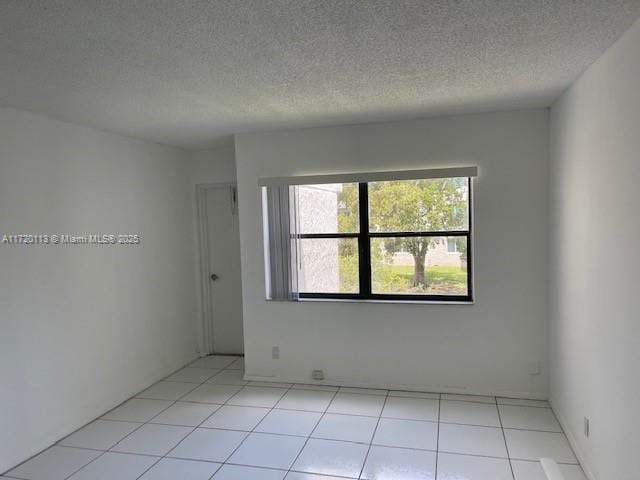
[184,72]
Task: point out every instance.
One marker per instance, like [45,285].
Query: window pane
[329,265]
[328,208]
[437,204]
[419,265]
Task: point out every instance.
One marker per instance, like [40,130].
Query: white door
[224,269]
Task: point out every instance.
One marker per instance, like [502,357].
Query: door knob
[214,277]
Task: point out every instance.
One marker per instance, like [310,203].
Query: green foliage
[406,206]
[441,280]
[418,205]
[348,272]
[348,209]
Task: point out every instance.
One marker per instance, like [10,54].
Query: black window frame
[364,237]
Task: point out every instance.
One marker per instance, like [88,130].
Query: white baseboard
[405,387]
[588,471]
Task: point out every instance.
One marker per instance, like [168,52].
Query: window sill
[395,302]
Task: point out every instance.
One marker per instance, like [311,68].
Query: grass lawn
[438,274]
[398,278]
[440,279]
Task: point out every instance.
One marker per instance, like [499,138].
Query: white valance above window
[449,172]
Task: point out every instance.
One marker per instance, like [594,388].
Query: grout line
[366,457]
[393,447]
[496,427]
[539,407]
[148,421]
[57,443]
[504,437]
[438,438]
[330,477]
[193,429]
[248,434]
[311,433]
[112,446]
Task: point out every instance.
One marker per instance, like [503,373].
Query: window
[386,240]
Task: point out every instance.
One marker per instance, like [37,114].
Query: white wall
[214,165]
[84,327]
[489,347]
[595,330]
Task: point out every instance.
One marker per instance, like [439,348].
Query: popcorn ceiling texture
[187,72]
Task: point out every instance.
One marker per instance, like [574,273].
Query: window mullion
[364,244]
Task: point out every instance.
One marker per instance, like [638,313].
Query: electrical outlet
[587,427]
[317,375]
[275,353]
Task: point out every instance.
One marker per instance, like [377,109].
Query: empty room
[319,239]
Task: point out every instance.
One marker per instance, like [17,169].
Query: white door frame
[202,223]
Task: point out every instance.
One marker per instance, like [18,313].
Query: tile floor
[206,422]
